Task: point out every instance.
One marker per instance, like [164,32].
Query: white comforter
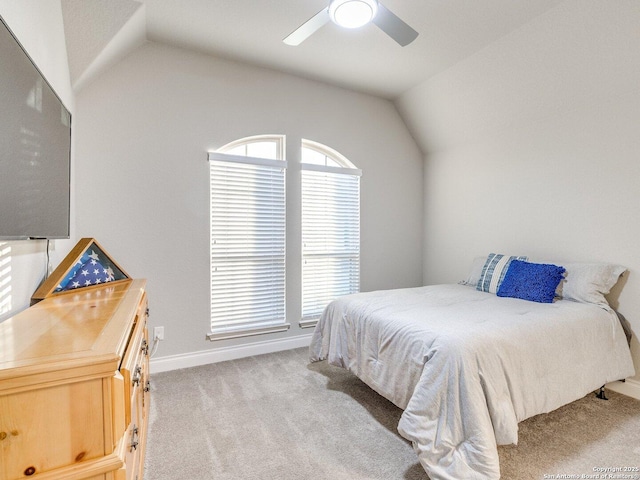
[467,366]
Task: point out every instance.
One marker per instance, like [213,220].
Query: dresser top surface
[74,328]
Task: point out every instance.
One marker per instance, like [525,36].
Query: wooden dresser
[74,386]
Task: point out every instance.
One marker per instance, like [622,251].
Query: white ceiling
[252,31]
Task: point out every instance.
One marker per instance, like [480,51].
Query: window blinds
[247,245]
[330,236]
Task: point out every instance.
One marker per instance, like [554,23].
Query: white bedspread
[467,366]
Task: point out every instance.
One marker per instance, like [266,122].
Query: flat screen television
[35,149]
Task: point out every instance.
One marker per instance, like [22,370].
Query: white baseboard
[204,357]
[630,388]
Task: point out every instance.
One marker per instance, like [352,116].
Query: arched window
[314,153]
[259,146]
[247,188]
[330,228]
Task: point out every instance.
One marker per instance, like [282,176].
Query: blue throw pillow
[536,282]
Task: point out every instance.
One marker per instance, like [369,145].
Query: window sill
[247,332]
[308,323]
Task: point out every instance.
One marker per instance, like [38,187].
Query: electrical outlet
[158,333]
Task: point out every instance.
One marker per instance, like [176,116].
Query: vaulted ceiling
[99,32]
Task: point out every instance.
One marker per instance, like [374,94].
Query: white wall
[143,130]
[533,147]
[39,27]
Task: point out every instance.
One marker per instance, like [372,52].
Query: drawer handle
[145,347]
[137,373]
[134,439]
[147,386]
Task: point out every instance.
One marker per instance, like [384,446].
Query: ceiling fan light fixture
[352,13]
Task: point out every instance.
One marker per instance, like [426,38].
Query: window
[330,229]
[248,238]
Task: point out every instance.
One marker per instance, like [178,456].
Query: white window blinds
[247,245]
[330,236]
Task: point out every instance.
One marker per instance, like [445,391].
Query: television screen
[35,149]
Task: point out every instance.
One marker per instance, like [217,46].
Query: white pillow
[589,282]
[476,271]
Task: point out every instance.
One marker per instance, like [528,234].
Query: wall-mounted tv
[35,148]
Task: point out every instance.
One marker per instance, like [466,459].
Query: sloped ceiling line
[89,27]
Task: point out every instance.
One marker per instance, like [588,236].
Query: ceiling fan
[354,14]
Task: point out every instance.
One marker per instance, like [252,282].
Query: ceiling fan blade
[390,24]
[305,30]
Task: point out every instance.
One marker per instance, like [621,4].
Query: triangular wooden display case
[87,265]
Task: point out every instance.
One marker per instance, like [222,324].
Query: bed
[467,365]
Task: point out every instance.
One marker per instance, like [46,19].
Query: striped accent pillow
[494,270]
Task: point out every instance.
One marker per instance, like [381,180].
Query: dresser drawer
[44,429]
[132,437]
[135,363]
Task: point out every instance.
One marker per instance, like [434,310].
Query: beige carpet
[277,417]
